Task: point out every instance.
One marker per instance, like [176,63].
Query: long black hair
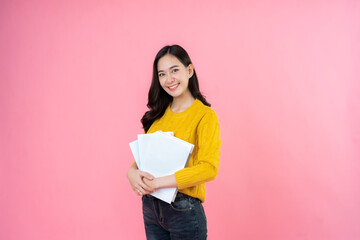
[158,99]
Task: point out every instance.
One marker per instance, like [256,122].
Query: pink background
[283,77]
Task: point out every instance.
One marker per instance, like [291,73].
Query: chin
[173,94]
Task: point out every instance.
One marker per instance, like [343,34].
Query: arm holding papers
[161,155]
[161,182]
[148,183]
[136,178]
[208,154]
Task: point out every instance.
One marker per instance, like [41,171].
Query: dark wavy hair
[158,99]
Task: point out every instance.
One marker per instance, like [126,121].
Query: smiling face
[174,76]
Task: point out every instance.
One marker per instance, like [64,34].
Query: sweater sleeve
[208,155]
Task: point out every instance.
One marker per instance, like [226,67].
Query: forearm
[165,182]
[162,182]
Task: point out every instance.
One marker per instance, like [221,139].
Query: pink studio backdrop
[283,77]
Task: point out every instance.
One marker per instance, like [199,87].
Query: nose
[169,78]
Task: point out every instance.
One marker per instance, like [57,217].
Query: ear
[190,69]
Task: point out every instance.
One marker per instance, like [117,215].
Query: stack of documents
[161,154]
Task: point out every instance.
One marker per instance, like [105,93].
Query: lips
[173,87]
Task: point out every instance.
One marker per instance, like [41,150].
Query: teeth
[172,87]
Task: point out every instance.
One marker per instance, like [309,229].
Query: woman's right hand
[135,177]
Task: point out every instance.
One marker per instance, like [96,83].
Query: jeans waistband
[179,196]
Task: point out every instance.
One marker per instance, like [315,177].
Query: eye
[161,74]
[175,70]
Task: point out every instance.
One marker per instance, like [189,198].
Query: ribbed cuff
[181,177]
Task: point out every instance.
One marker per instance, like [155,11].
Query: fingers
[146,175]
[141,182]
[146,187]
[142,191]
[143,187]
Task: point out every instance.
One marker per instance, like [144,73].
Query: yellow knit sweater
[198,125]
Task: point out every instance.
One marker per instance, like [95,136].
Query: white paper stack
[161,154]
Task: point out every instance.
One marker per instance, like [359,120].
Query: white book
[134,146]
[161,155]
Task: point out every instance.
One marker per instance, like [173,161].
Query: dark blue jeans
[181,220]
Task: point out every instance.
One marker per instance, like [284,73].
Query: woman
[177,105]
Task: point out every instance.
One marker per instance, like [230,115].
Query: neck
[181,103]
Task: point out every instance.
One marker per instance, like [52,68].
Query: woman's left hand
[161,182]
[150,183]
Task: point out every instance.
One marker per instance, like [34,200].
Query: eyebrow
[169,68]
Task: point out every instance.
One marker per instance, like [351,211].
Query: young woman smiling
[177,105]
